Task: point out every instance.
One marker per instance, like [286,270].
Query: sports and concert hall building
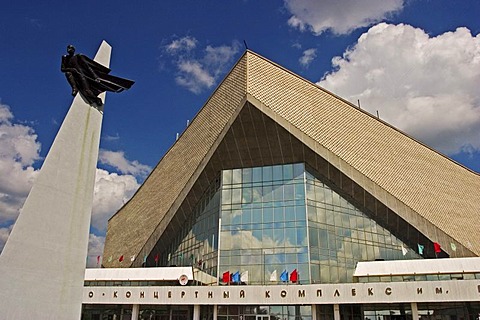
[283,201]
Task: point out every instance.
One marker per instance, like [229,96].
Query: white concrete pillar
[196,312]
[135,311]
[314,312]
[215,312]
[414,308]
[42,266]
[336,312]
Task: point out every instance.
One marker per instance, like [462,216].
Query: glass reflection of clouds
[265,212]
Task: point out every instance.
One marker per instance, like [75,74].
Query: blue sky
[416,62]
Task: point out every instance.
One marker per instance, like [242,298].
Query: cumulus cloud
[308,56]
[339,16]
[425,86]
[199,71]
[183,44]
[19,149]
[117,160]
[110,193]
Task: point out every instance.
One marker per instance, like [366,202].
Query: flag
[294,276]
[226,277]
[156,258]
[284,276]
[98,259]
[273,276]
[236,277]
[244,277]
[121,258]
[454,247]
[420,248]
[404,250]
[110,259]
[437,247]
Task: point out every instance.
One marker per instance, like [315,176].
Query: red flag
[98,259]
[121,258]
[436,247]
[294,276]
[226,277]
[156,258]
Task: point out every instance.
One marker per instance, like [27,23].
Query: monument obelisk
[42,265]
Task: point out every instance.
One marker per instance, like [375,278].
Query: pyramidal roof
[263,114]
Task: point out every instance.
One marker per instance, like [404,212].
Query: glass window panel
[237,176]
[277,193]
[300,213]
[267,193]
[313,237]
[301,236]
[288,192]
[247,175]
[267,173]
[268,215]
[298,169]
[312,213]
[279,236]
[277,173]
[299,191]
[236,195]
[288,172]
[247,195]
[227,177]
[246,216]
[289,213]
[257,174]
[226,196]
[290,237]
[257,194]
[257,216]
[278,214]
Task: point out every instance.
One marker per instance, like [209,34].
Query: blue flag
[284,276]
[236,277]
[420,249]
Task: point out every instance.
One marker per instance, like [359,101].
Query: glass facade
[282,218]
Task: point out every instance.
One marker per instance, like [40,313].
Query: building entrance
[262,317]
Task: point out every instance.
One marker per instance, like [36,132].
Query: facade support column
[215,312]
[314,312]
[414,308]
[135,311]
[336,312]
[196,312]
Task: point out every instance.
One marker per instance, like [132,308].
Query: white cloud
[425,86]
[110,193]
[308,56]
[19,149]
[193,76]
[183,44]
[199,73]
[339,16]
[117,160]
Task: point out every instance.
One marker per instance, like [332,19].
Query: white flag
[273,276]
[244,277]
[404,250]
[132,258]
